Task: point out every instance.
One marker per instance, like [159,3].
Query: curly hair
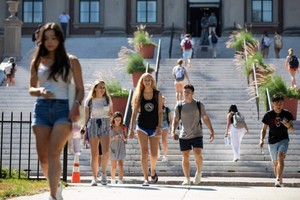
[140,88]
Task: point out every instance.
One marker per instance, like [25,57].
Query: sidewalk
[224,188]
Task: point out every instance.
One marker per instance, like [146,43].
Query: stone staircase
[217,84]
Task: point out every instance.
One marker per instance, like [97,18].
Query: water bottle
[226,140]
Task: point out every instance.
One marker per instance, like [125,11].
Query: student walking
[292,65]
[180,74]
[9,71]
[99,105]
[50,74]
[237,128]
[118,139]
[64,19]
[213,38]
[190,112]
[265,43]
[147,110]
[278,43]
[166,124]
[279,122]
[187,45]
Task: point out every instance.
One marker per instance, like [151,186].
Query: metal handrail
[158,58]
[171,41]
[269,107]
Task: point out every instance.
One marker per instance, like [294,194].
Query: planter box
[135,78]
[119,104]
[291,105]
[147,51]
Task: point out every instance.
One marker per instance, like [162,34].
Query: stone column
[12,32]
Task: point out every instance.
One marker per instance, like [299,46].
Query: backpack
[266,41]
[8,69]
[238,120]
[179,74]
[293,61]
[199,108]
[187,45]
[214,39]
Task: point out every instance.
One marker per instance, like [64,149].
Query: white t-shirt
[99,107]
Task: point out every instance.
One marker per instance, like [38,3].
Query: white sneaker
[277,183]
[164,159]
[103,179]
[120,182]
[197,178]
[186,181]
[113,181]
[94,182]
[59,192]
[51,198]
[146,183]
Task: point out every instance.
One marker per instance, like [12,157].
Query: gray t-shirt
[190,118]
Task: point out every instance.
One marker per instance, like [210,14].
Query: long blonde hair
[92,92]
[140,88]
[291,51]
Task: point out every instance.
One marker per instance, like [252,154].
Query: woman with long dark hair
[51,71]
[236,133]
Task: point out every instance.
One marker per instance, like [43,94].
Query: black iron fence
[17,148]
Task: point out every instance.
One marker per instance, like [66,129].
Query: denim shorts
[50,112]
[188,144]
[149,132]
[279,147]
[165,125]
[187,54]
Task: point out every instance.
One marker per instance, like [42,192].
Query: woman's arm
[77,75]
[228,116]
[160,114]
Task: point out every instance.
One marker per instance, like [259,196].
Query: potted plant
[119,95]
[276,85]
[135,64]
[143,43]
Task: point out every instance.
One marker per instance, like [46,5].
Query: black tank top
[148,116]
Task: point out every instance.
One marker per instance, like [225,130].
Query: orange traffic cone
[76,172]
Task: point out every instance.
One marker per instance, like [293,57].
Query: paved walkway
[215,188]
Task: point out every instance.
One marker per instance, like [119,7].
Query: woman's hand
[131,134]
[158,131]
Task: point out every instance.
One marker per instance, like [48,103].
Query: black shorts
[188,144]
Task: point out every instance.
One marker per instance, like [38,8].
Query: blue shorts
[149,132]
[187,54]
[279,147]
[165,125]
[50,112]
[188,144]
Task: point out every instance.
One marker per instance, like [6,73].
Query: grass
[21,187]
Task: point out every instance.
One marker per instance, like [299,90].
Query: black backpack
[199,108]
[293,61]
[214,39]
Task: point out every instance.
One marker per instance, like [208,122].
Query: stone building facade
[120,17]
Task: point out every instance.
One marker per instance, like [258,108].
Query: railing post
[269,107]
[20,145]
[256,90]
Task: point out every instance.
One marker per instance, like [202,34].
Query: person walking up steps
[117,154]
[99,105]
[190,112]
[180,74]
[292,65]
[187,45]
[51,71]
[237,127]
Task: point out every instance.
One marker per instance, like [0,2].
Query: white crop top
[99,107]
[59,88]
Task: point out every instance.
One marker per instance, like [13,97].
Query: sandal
[153,178]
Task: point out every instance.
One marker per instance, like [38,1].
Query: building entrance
[195,13]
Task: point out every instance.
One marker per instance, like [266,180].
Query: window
[146,10]
[262,10]
[33,11]
[89,11]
